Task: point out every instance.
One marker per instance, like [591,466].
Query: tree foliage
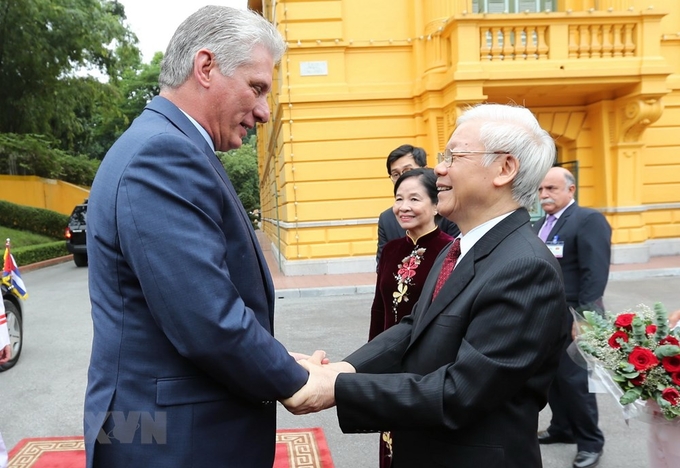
[36,155]
[44,47]
[135,87]
[241,167]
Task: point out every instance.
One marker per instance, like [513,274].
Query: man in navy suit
[185,370]
[460,381]
[580,239]
[400,160]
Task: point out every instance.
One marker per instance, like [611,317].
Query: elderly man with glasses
[460,382]
[400,160]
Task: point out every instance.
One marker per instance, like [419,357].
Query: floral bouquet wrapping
[640,356]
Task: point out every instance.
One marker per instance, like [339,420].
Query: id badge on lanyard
[556,247]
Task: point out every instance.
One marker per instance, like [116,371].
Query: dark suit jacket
[587,254]
[462,379]
[389,229]
[182,305]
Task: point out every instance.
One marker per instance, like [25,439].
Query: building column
[624,175]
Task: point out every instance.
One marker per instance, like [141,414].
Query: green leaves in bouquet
[631,395]
[625,372]
[667,351]
[661,321]
[639,334]
[669,411]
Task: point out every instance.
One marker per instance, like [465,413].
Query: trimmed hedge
[39,252]
[46,222]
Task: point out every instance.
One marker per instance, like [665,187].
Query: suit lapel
[463,274]
[184,125]
[561,220]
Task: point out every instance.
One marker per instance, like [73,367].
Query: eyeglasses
[448,156]
[394,175]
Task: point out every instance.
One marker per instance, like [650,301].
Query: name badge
[556,247]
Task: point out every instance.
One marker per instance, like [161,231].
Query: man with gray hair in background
[185,370]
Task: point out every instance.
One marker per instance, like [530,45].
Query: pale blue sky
[154,21]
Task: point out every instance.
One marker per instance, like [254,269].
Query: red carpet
[295,448]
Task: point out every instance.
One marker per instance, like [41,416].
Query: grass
[22,238]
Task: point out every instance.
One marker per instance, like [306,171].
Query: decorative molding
[635,115]
[316,224]
[639,208]
[563,124]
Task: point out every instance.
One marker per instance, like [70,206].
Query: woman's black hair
[427,178]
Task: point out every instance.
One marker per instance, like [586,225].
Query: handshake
[319,391]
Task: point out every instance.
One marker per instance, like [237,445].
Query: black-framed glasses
[447,156]
[394,175]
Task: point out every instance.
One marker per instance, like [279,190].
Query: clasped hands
[319,391]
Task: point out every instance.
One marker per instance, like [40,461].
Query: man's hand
[303,357]
[5,354]
[317,394]
[319,391]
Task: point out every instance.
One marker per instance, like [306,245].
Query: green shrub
[37,155]
[40,221]
[38,253]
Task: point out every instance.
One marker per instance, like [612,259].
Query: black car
[75,235]
[14,324]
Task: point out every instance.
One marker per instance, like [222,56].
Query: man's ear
[204,66]
[507,170]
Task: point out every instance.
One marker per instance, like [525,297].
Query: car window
[79,215]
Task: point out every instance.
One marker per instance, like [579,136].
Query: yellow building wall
[37,192]
[361,78]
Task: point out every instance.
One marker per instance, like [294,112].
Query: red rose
[675,377]
[613,339]
[671,395]
[637,381]
[651,329]
[671,363]
[671,340]
[642,358]
[624,320]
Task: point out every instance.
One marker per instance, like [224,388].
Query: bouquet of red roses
[640,353]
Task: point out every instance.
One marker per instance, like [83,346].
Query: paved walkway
[356,283]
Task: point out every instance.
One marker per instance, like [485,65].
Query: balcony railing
[532,42]
[481,38]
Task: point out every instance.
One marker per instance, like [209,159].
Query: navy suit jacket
[183,354]
[460,381]
[587,254]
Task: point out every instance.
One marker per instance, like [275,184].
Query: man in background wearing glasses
[460,381]
[401,160]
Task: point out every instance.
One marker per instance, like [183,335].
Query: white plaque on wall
[314,68]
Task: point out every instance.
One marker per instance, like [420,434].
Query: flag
[11,276]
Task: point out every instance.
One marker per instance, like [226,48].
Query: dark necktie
[447,266]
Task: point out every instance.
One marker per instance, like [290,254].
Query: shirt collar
[201,130]
[470,239]
[559,213]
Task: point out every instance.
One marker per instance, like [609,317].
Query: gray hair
[515,130]
[569,178]
[229,33]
